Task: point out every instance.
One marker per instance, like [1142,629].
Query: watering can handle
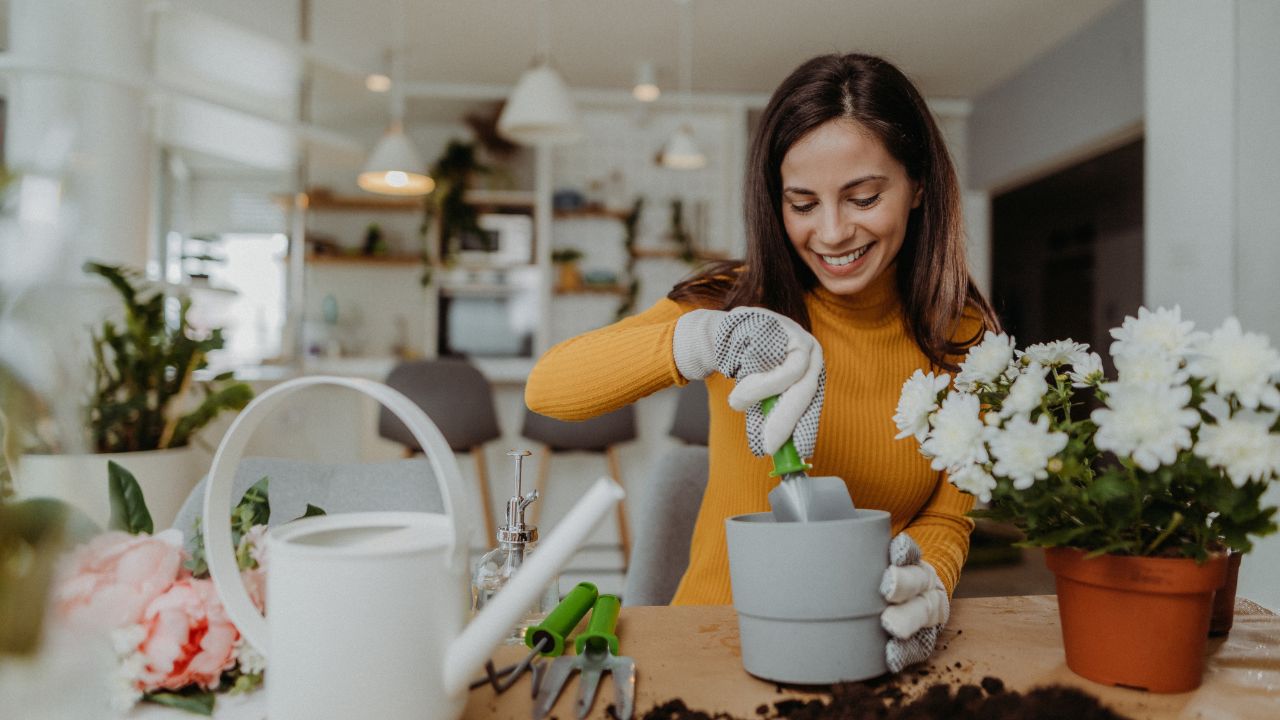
[217,495]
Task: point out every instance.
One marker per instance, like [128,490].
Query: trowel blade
[800,498]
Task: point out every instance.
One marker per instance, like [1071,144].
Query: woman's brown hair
[932,274]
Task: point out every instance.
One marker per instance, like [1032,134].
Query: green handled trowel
[800,498]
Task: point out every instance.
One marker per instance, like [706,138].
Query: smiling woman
[855,278]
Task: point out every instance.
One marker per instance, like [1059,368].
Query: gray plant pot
[808,596]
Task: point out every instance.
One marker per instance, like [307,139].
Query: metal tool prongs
[546,638]
[597,650]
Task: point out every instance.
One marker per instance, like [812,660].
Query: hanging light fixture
[540,110]
[646,88]
[681,151]
[395,167]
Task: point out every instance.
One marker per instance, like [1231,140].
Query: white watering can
[367,611]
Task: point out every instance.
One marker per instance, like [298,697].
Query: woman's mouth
[847,263]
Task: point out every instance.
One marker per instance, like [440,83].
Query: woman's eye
[802,209]
[866,202]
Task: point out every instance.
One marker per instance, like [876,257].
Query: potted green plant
[144,407]
[568,276]
[1136,501]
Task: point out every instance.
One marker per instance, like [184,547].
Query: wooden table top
[693,653]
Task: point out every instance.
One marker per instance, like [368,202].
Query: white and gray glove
[918,605]
[767,354]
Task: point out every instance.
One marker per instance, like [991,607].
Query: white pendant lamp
[540,110]
[395,167]
[646,88]
[681,151]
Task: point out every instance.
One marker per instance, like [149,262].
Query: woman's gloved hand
[768,354]
[918,605]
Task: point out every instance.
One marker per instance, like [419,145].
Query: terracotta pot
[1134,621]
[1224,600]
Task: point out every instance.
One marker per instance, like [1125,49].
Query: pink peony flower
[255,582]
[111,580]
[189,638]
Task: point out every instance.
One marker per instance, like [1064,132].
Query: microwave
[489,313]
[503,239]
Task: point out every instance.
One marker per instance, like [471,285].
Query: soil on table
[886,699]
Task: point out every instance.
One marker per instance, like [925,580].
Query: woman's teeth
[846,259]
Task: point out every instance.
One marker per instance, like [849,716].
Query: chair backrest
[594,435]
[455,395]
[665,509]
[693,417]
[335,488]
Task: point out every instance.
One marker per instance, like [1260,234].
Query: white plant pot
[166,478]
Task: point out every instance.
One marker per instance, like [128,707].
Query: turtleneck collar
[875,304]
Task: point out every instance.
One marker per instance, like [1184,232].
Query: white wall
[1071,102]
[1213,223]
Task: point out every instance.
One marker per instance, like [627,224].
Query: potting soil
[885,699]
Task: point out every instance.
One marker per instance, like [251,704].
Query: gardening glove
[918,605]
[767,354]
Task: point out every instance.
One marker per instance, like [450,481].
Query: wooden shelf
[597,214]
[324,200]
[367,260]
[502,198]
[672,253]
[318,199]
[592,290]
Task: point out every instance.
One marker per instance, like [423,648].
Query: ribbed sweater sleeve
[942,529]
[602,370]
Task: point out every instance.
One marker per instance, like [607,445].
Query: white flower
[1239,363]
[1243,446]
[1086,370]
[251,661]
[253,544]
[1058,352]
[1149,422]
[1163,329]
[1026,392]
[956,439]
[975,480]
[125,686]
[1149,364]
[986,361]
[919,399]
[1022,450]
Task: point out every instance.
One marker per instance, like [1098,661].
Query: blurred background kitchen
[1111,152]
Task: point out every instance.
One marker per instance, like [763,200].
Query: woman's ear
[919,196]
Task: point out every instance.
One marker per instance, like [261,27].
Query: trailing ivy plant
[144,368]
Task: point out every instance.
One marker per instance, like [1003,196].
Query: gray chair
[600,434]
[358,487]
[459,400]
[693,415]
[667,505]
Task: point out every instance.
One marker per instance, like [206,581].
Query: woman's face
[845,202]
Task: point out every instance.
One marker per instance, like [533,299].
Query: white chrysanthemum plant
[1171,458]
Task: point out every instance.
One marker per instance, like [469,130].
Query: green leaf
[312,511]
[128,508]
[200,703]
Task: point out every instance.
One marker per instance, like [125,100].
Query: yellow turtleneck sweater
[868,355]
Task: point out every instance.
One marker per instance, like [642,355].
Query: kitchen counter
[693,653]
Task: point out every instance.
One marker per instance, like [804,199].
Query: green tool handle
[599,634]
[561,621]
[786,461]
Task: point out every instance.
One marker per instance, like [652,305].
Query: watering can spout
[469,651]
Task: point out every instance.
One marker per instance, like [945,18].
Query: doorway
[1067,251]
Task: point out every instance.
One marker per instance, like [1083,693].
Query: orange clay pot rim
[1070,551]
[1139,573]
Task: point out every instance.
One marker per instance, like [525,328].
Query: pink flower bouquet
[175,644]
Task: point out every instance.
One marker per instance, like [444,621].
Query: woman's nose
[832,227]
